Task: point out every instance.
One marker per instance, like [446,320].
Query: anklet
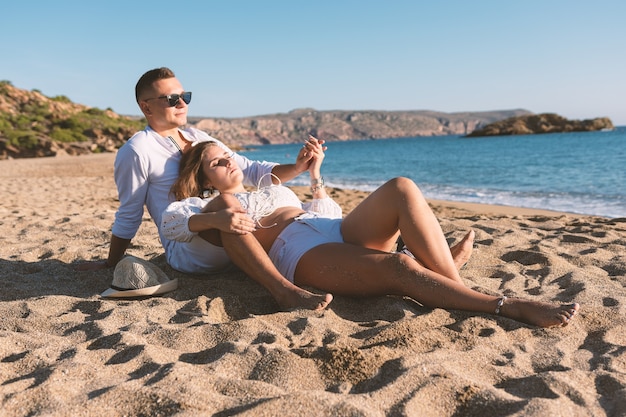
[500,304]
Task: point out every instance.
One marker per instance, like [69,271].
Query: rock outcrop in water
[541,123]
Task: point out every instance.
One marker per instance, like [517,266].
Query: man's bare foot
[302,299]
[537,313]
[462,251]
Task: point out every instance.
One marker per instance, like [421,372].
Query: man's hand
[303,160]
[311,148]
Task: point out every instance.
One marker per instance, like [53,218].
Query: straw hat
[134,277]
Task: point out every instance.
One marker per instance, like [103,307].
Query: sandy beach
[217,346]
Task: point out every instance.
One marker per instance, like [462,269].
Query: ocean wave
[578,173]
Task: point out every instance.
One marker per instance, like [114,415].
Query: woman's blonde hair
[191,180]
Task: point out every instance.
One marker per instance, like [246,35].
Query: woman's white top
[258,204]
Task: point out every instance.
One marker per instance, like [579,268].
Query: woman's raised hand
[315,149]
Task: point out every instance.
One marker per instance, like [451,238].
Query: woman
[351,256]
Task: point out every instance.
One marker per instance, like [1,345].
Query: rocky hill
[33,125]
[541,123]
[339,125]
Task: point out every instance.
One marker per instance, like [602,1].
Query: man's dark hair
[146,80]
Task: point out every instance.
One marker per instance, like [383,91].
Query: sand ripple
[217,346]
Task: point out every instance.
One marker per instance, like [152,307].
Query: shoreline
[102,165]
[488,209]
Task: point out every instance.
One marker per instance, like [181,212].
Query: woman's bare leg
[356,271]
[462,251]
[399,206]
[246,252]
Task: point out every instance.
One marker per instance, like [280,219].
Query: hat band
[122,289]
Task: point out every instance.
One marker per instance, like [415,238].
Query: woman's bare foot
[462,251]
[302,299]
[537,313]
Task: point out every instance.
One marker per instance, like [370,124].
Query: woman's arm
[322,203]
[315,149]
[183,220]
[231,220]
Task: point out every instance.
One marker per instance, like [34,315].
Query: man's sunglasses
[172,99]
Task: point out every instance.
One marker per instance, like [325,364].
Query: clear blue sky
[245,58]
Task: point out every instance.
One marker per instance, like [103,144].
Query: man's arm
[117,249]
[288,172]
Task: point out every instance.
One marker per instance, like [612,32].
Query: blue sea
[583,173]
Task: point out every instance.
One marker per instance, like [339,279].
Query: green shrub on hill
[30,119]
[60,134]
[4,86]
[26,139]
[61,99]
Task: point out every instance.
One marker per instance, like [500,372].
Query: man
[147,166]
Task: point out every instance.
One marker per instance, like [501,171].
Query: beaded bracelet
[317,184]
[500,304]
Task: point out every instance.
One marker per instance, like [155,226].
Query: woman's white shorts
[305,233]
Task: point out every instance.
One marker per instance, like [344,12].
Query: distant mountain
[541,123]
[33,125]
[342,125]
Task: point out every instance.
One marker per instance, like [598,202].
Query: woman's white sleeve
[327,207]
[175,219]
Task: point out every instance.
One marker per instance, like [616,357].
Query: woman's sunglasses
[172,99]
